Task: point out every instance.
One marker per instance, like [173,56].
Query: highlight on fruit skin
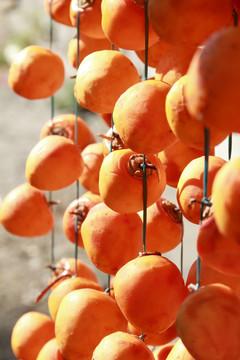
[161,280]
[209,319]
[64,125]
[121,345]
[140,119]
[31,331]
[89,315]
[111,239]
[59,11]
[50,351]
[179,352]
[155,52]
[162,352]
[121,180]
[54,163]
[25,211]
[36,73]
[102,77]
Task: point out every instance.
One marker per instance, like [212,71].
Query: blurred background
[23,273]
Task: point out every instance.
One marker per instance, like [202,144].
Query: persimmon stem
[42,293]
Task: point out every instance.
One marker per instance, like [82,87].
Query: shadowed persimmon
[50,351]
[59,10]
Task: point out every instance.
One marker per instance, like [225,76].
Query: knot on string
[143,336]
[138,164]
[80,5]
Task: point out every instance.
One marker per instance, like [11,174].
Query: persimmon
[25,211]
[53,163]
[64,125]
[112,141]
[89,17]
[162,352]
[50,351]
[206,98]
[121,180]
[183,125]
[107,118]
[78,208]
[175,22]
[208,323]
[174,64]
[86,46]
[149,291]
[119,14]
[59,10]
[107,247]
[155,53]
[92,157]
[190,185]
[121,345]
[226,199]
[139,117]
[36,73]
[102,77]
[31,331]
[89,315]
[64,288]
[175,157]
[164,226]
[156,339]
[179,352]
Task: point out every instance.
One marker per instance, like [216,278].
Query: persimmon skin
[179,352]
[89,315]
[59,11]
[98,231]
[25,212]
[155,53]
[206,98]
[53,163]
[31,331]
[102,77]
[161,280]
[114,179]
[190,185]
[175,22]
[162,352]
[139,117]
[64,124]
[50,351]
[36,73]
[121,345]
[226,199]
[216,308]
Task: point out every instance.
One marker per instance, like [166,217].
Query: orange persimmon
[162,352]
[155,52]
[121,180]
[59,11]
[36,73]
[25,211]
[179,352]
[50,351]
[53,163]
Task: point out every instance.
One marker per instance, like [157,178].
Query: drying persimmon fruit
[184,126]
[226,199]
[92,157]
[64,125]
[175,157]
[205,95]
[216,250]
[190,185]
[155,53]
[31,331]
[86,46]
[102,77]
[164,226]
[25,211]
[89,17]
[119,27]
[107,247]
[36,73]
[78,208]
[50,351]
[156,339]
[107,118]
[59,11]
[162,352]
[140,119]
[208,323]
[149,291]
[121,345]
[121,180]
[175,22]
[89,315]
[54,163]
[179,352]
[174,64]
[65,288]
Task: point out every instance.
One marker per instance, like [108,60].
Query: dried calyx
[81,212]
[135,166]
[173,211]
[58,130]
